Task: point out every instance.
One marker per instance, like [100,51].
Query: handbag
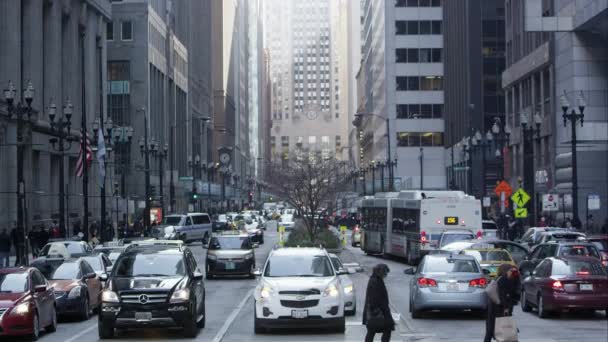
[505,329]
[492,292]
[375,320]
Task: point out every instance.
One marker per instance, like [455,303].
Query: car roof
[14,270]
[576,258]
[457,231]
[232,235]
[570,243]
[485,249]
[154,248]
[450,256]
[299,251]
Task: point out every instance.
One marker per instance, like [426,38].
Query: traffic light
[152,192]
[193,197]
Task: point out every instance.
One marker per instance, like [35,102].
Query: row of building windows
[419,111]
[312,141]
[417,3]
[415,27]
[415,139]
[419,55]
[126,30]
[419,83]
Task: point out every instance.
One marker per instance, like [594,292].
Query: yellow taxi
[490,258]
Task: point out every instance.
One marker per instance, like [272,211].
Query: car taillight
[481,282]
[423,238]
[427,282]
[582,273]
[479,234]
[557,286]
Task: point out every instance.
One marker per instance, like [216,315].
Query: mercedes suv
[300,288]
[153,286]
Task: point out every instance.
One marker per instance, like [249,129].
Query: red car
[574,283]
[27,303]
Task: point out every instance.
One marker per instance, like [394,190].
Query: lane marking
[231,318]
[82,333]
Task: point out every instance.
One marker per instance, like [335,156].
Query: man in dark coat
[509,286]
[376,304]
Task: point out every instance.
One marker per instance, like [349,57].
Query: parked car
[230,254]
[490,258]
[187,227]
[447,282]
[153,286]
[299,288]
[601,243]
[65,249]
[454,235]
[27,303]
[557,249]
[490,230]
[350,293]
[77,287]
[558,283]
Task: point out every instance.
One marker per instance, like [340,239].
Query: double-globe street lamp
[529,133]
[22,112]
[194,165]
[482,144]
[123,137]
[501,137]
[107,127]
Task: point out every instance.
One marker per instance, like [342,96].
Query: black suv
[153,286]
[557,249]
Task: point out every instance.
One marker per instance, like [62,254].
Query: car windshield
[449,265]
[489,255]
[150,265]
[577,267]
[337,263]
[113,256]
[576,250]
[298,266]
[13,282]
[601,245]
[457,246]
[449,238]
[64,271]
[233,242]
[95,263]
[172,220]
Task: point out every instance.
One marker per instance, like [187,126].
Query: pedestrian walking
[508,287]
[377,315]
[542,222]
[17,240]
[5,248]
[32,236]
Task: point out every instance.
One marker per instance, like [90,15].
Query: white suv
[299,288]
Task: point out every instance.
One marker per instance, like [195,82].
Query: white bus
[409,223]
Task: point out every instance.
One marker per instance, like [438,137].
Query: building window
[417,3]
[273,142]
[126,30]
[418,55]
[110,31]
[338,142]
[119,92]
[285,141]
[421,111]
[413,27]
[415,139]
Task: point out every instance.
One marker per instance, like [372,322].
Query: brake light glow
[582,273]
[438,221]
[479,234]
[427,282]
[423,238]
[480,282]
[557,285]
[605,262]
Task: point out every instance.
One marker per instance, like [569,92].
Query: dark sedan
[574,283]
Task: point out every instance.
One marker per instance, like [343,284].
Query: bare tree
[308,183]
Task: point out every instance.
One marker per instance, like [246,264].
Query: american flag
[79,163]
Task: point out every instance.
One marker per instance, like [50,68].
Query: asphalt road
[230,315]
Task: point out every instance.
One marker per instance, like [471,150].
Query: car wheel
[53,326]
[415,312]
[105,330]
[351,312]
[201,324]
[525,305]
[542,311]
[341,327]
[190,326]
[85,313]
[35,328]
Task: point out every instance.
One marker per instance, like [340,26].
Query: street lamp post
[23,112]
[573,117]
[391,185]
[144,150]
[372,167]
[501,138]
[193,164]
[481,143]
[161,156]
[62,130]
[122,142]
[529,132]
[107,126]
[382,165]
[466,150]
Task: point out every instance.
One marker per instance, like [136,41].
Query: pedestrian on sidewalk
[5,248]
[377,315]
[508,285]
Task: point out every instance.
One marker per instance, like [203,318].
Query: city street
[230,315]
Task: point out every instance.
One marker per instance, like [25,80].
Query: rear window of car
[577,267]
[579,250]
[449,238]
[489,255]
[488,225]
[449,265]
[201,219]
[601,245]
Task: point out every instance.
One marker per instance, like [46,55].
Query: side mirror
[485,271]
[90,275]
[103,277]
[40,289]
[257,272]
[109,269]
[409,271]
[197,275]
[342,271]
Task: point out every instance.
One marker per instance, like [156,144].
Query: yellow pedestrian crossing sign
[520,198]
[521,212]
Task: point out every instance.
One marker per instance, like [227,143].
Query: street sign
[503,187]
[520,197]
[281,235]
[186,179]
[550,202]
[486,202]
[521,212]
[593,202]
[343,234]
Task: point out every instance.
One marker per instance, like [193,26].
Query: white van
[185,227]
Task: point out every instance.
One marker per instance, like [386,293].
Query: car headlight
[109,297]
[266,291]
[248,256]
[211,257]
[22,309]
[331,291]
[180,296]
[348,289]
[75,292]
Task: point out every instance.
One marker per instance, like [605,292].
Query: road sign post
[343,235]
[281,236]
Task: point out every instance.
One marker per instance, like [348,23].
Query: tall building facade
[59,48]
[402,65]
[555,49]
[307,116]
[474,50]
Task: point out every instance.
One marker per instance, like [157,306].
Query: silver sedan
[350,296]
[447,282]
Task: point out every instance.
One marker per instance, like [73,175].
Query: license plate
[453,287]
[143,316]
[230,266]
[299,314]
[586,287]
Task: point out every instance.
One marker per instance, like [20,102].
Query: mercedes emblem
[143,299]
